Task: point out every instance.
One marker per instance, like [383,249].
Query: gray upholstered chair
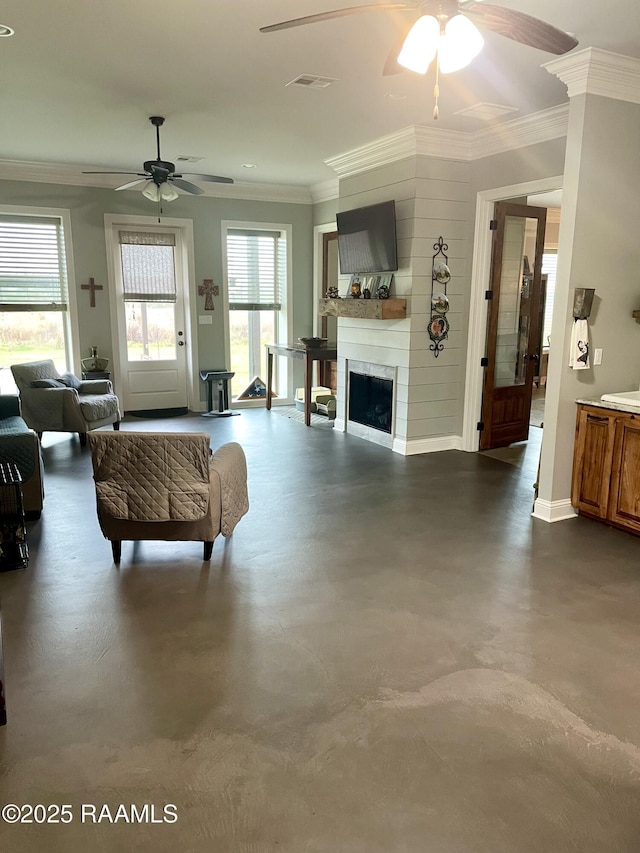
[167,486]
[20,445]
[52,402]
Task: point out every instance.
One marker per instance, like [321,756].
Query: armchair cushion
[70,381]
[47,383]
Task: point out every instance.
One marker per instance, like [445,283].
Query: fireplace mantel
[364,309]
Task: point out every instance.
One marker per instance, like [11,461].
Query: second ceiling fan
[448,31]
[160,176]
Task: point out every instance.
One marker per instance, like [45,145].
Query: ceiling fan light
[459,45]
[168,193]
[420,45]
[151,191]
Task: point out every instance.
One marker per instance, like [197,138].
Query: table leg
[308,377]
[209,394]
[269,377]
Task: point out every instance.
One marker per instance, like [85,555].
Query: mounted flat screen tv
[367,239]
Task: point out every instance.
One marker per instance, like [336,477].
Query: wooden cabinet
[606,466]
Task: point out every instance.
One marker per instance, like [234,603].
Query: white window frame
[70,316]
[183,229]
[284,316]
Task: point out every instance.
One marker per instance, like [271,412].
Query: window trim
[287,310]
[72,331]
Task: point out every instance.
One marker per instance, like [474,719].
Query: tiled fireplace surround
[348,366]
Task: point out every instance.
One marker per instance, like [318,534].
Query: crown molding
[452,144]
[325,191]
[71,175]
[520,132]
[598,72]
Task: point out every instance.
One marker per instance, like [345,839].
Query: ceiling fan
[447,30]
[160,176]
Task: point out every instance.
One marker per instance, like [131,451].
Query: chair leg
[116,425]
[208,550]
[116,549]
[83,439]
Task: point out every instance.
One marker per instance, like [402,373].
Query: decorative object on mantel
[383,291]
[208,289]
[92,286]
[332,292]
[355,287]
[440,277]
[94,364]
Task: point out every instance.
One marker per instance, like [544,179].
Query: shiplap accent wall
[433,199]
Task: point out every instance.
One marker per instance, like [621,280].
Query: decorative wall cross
[208,289]
[92,286]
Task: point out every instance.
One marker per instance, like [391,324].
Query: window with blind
[148,268]
[256,275]
[34,294]
[256,268]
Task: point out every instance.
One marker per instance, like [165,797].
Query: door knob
[180,343]
[534,357]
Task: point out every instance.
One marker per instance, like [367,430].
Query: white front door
[150,281]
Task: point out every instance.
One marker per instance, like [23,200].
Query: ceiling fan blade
[216,179]
[186,186]
[336,13]
[520,27]
[111,173]
[133,184]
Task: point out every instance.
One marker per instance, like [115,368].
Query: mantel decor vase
[94,364]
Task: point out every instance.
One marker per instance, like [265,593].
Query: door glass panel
[151,331]
[514,309]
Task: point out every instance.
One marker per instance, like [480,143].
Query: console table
[308,355]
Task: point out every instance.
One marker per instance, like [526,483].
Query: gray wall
[88,206]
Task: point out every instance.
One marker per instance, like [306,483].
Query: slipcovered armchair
[167,486]
[52,402]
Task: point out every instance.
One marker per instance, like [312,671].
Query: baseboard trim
[427,445]
[551,511]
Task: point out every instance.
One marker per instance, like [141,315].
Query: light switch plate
[597,357]
[205,320]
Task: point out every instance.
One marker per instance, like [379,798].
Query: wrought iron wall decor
[440,277]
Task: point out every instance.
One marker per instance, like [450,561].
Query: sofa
[167,486]
[20,445]
[63,403]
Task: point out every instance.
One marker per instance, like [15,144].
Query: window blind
[256,269]
[549,265]
[33,268]
[148,266]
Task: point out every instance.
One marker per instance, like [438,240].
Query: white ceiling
[80,79]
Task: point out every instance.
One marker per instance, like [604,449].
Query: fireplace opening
[371,401]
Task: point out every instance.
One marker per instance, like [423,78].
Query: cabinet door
[624,498]
[592,460]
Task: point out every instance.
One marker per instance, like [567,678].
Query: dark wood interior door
[327,370]
[513,338]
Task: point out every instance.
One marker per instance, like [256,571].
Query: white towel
[579,349]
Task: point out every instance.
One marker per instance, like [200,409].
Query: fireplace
[371,401]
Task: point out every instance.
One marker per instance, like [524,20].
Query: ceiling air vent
[311,81]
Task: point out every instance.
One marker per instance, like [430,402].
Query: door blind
[33,268]
[148,266]
[255,269]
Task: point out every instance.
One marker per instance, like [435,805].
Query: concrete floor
[388,655]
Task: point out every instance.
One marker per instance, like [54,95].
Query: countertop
[603,404]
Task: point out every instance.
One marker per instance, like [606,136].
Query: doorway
[535,193]
[149,280]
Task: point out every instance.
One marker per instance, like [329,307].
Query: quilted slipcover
[152,477]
